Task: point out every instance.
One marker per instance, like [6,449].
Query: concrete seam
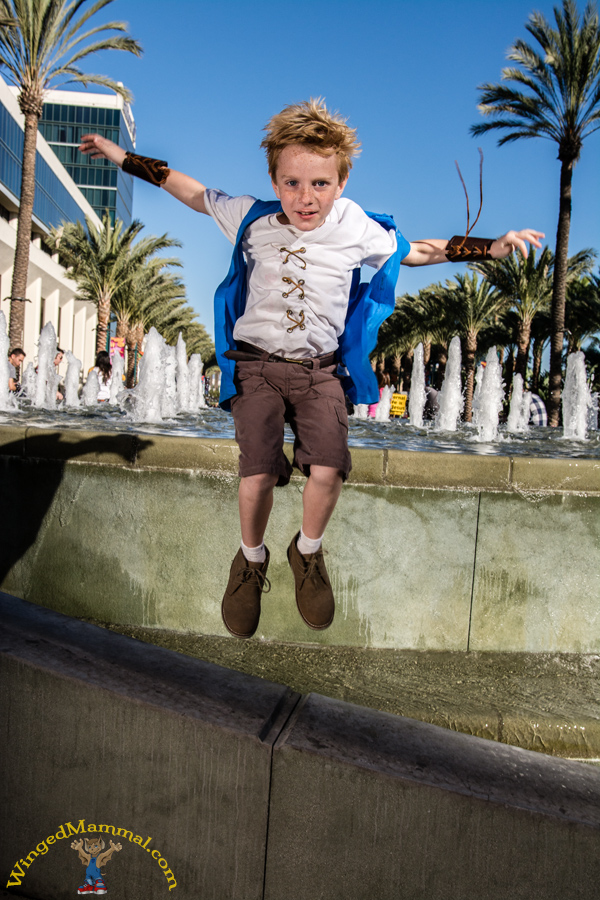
[301,699]
[474,570]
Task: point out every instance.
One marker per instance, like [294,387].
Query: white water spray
[518,417]
[576,398]
[47,379]
[116,384]
[450,398]
[72,381]
[487,409]
[418,397]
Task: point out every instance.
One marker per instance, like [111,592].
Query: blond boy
[301,257]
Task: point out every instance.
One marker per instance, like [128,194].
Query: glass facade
[53,203]
[104,186]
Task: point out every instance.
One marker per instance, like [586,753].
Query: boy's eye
[291,183]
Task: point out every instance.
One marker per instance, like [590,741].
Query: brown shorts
[310,400]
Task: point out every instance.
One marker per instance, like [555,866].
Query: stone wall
[426,551]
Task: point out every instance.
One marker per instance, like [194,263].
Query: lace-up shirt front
[299,281]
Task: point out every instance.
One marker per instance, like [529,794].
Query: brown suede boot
[314,597]
[241,604]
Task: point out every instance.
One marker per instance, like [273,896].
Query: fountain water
[7,401]
[72,381]
[118,370]
[47,380]
[418,396]
[487,405]
[450,397]
[159,409]
[518,417]
[576,398]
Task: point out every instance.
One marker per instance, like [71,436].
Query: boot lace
[248,575]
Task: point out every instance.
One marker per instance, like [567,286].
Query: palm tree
[41,44]
[527,283]
[472,305]
[583,311]
[104,261]
[561,102]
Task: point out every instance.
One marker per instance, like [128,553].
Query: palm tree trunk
[103,322]
[131,341]
[523,339]
[538,349]
[559,289]
[395,371]
[21,264]
[441,370]
[471,341]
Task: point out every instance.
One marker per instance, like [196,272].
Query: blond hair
[311,125]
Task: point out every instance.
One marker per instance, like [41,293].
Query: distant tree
[583,311]
[472,304]
[103,261]
[41,44]
[527,283]
[561,102]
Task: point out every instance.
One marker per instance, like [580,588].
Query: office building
[51,295]
[67,115]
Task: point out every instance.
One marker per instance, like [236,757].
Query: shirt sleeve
[228,212]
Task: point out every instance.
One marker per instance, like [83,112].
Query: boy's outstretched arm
[428,253]
[182,187]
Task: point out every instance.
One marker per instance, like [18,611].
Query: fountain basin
[467,586]
[426,551]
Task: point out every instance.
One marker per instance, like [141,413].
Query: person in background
[57,361]
[15,361]
[103,368]
[537,411]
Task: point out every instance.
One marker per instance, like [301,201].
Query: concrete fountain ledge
[426,551]
[251,791]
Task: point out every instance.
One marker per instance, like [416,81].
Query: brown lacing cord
[297,287]
[469,230]
[298,323]
[247,574]
[295,254]
[313,568]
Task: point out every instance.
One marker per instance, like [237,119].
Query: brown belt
[250,353]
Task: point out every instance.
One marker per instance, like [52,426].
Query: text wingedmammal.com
[68,829]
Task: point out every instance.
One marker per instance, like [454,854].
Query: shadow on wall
[31,471]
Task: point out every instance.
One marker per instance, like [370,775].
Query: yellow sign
[398,404]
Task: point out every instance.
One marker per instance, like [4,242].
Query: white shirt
[314,269]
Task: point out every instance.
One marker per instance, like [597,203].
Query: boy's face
[307,184]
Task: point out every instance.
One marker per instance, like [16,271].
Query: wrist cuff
[468,249]
[154,171]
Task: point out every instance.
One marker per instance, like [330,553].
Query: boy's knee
[261,483]
[325,476]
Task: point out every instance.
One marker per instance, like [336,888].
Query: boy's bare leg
[255,503]
[320,496]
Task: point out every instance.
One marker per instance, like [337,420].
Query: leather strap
[155,171]
[249,353]
[468,249]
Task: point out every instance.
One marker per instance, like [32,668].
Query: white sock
[306,546]
[254,554]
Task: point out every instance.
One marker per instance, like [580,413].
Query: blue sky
[404,73]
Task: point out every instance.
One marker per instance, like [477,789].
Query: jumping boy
[286,317]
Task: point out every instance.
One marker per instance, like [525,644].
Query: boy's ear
[276,189]
[340,188]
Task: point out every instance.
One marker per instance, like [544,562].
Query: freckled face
[307,185]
